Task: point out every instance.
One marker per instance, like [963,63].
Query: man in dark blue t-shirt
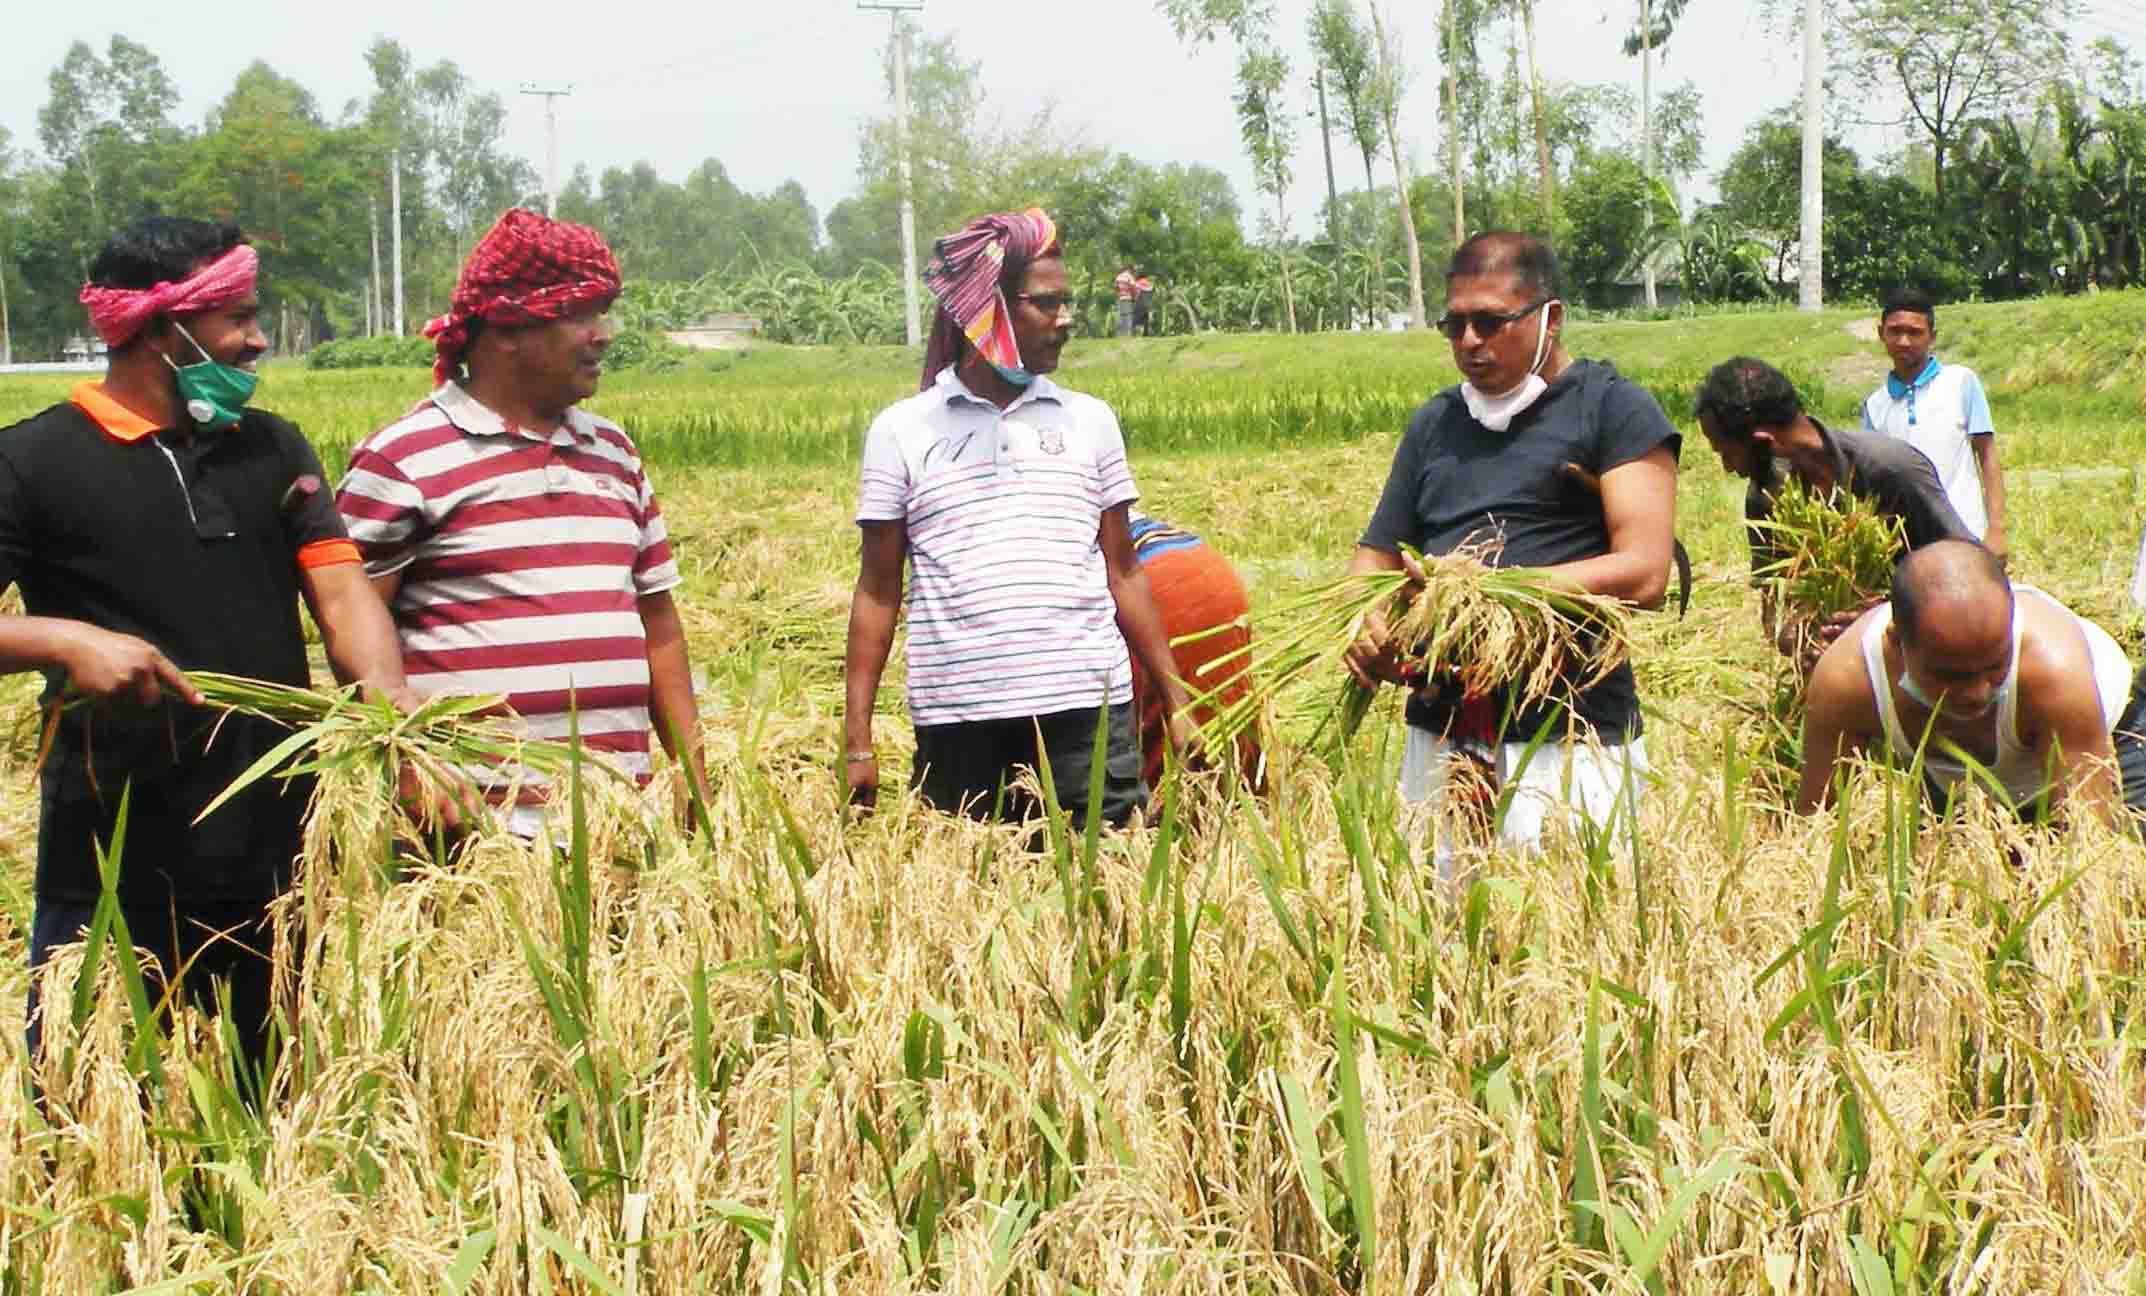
[1500,457]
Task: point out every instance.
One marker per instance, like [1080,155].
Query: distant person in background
[1754,419]
[1198,594]
[2041,698]
[1127,284]
[1143,303]
[514,535]
[1941,410]
[158,522]
[1008,499]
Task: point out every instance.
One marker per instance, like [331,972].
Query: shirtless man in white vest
[2005,676]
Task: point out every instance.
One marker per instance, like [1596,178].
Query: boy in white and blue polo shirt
[1941,410]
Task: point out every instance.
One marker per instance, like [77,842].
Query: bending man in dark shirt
[1488,460]
[1754,419]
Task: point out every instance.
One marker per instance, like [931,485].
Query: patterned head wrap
[526,269]
[964,273]
[119,313]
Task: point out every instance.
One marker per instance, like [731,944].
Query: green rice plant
[1835,550]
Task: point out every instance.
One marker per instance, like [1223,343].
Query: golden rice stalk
[1488,627]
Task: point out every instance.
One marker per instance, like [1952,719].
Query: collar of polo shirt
[118,421]
[479,419]
[953,389]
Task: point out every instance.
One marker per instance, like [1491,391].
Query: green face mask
[214,393]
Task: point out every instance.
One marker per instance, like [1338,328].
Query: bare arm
[2074,743]
[1138,620]
[1985,448]
[1840,718]
[1370,659]
[98,662]
[873,609]
[670,685]
[1639,505]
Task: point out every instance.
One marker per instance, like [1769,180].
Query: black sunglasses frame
[1487,324]
[1066,302]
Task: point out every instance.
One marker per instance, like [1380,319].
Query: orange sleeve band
[327,553]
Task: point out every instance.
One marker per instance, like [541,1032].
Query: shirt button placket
[1007,464]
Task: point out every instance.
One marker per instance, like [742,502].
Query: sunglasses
[1049,303]
[1485,323]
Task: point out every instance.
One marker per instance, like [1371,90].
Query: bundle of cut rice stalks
[1484,626]
[1835,554]
[339,732]
[1836,550]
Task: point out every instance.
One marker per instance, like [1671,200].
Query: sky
[777,91]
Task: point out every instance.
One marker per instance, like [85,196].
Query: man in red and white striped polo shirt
[514,535]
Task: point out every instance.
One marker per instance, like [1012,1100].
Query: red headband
[526,269]
[119,313]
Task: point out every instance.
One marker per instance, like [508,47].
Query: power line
[706,60]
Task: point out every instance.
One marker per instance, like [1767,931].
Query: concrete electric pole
[552,94]
[901,155]
[1810,258]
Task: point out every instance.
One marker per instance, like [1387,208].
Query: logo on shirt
[1051,441]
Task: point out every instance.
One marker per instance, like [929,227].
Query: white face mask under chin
[1914,693]
[1498,412]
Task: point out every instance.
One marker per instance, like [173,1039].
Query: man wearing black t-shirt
[1493,459]
[156,524]
[1755,421]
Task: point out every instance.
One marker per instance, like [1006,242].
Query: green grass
[2049,363]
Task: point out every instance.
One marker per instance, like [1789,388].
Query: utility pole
[901,154]
[1810,268]
[551,95]
[372,282]
[394,201]
[1646,139]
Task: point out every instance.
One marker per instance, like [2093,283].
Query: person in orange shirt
[1198,594]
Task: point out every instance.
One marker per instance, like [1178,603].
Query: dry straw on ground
[906,1055]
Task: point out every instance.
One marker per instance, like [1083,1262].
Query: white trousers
[1585,777]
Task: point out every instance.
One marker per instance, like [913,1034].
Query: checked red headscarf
[119,313]
[527,269]
[964,274]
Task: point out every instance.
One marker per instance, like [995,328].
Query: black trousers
[967,768]
[199,945]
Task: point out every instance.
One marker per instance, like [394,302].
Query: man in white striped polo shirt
[514,535]
[1007,496]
